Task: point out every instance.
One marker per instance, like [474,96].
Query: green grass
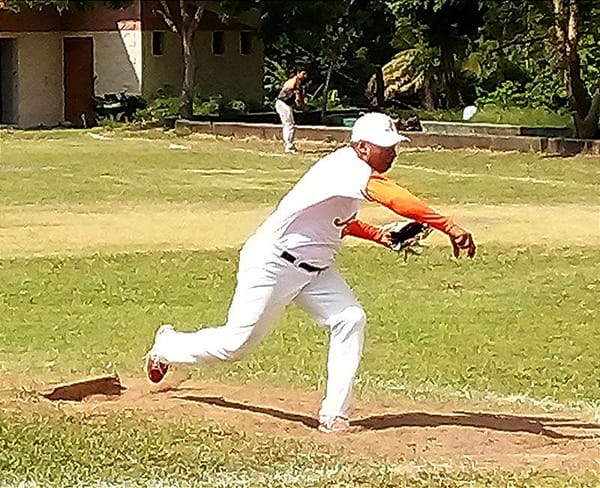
[64,167]
[498,178]
[491,114]
[71,167]
[515,321]
[433,322]
[128,449]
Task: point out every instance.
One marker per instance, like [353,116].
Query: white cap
[378,129]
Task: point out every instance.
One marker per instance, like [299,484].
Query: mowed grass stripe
[513,322]
[87,170]
[38,230]
[88,229]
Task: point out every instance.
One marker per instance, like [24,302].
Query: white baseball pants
[265,285]
[286,114]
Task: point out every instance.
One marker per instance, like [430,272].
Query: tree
[374,22]
[568,15]
[341,42]
[184,22]
[60,5]
[18,5]
[443,30]
[308,35]
[183,18]
[555,45]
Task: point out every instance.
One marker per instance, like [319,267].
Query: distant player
[290,258]
[290,96]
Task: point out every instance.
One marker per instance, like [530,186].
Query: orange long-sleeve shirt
[382,190]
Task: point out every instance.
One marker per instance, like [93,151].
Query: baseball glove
[407,236]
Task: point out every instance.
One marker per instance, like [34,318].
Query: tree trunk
[587,127]
[379,86]
[449,74]
[576,87]
[566,20]
[429,92]
[185,26]
[186,107]
[326,91]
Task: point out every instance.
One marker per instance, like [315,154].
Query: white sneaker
[291,150]
[334,425]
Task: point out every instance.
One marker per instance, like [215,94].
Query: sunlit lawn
[515,321]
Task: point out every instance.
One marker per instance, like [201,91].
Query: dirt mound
[79,390]
[402,430]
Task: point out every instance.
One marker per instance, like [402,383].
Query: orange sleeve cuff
[381,190]
[362,230]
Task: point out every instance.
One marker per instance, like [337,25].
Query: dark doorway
[78,79]
[8,81]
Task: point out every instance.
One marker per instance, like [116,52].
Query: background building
[51,64]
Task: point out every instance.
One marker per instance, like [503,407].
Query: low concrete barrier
[553,145]
[569,147]
[474,128]
[494,143]
[264,131]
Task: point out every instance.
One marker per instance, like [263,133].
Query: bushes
[159,110]
[164,108]
[490,113]
[505,105]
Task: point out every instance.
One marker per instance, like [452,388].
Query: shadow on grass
[497,422]
[273,412]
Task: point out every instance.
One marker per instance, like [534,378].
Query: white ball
[469,111]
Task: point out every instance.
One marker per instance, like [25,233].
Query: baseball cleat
[155,368]
[334,425]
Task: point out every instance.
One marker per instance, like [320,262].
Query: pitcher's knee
[351,320]
[355,315]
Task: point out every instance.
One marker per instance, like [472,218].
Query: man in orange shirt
[290,258]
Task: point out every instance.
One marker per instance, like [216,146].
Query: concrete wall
[40,79]
[162,72]
[471,128]
[123,60]
[264,131]
[478,141]
[561,146]
[39,91]
[118,61]
[233,75]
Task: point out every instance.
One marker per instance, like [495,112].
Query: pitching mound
[79,390]
[398,431]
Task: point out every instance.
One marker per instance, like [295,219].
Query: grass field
[105,235]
